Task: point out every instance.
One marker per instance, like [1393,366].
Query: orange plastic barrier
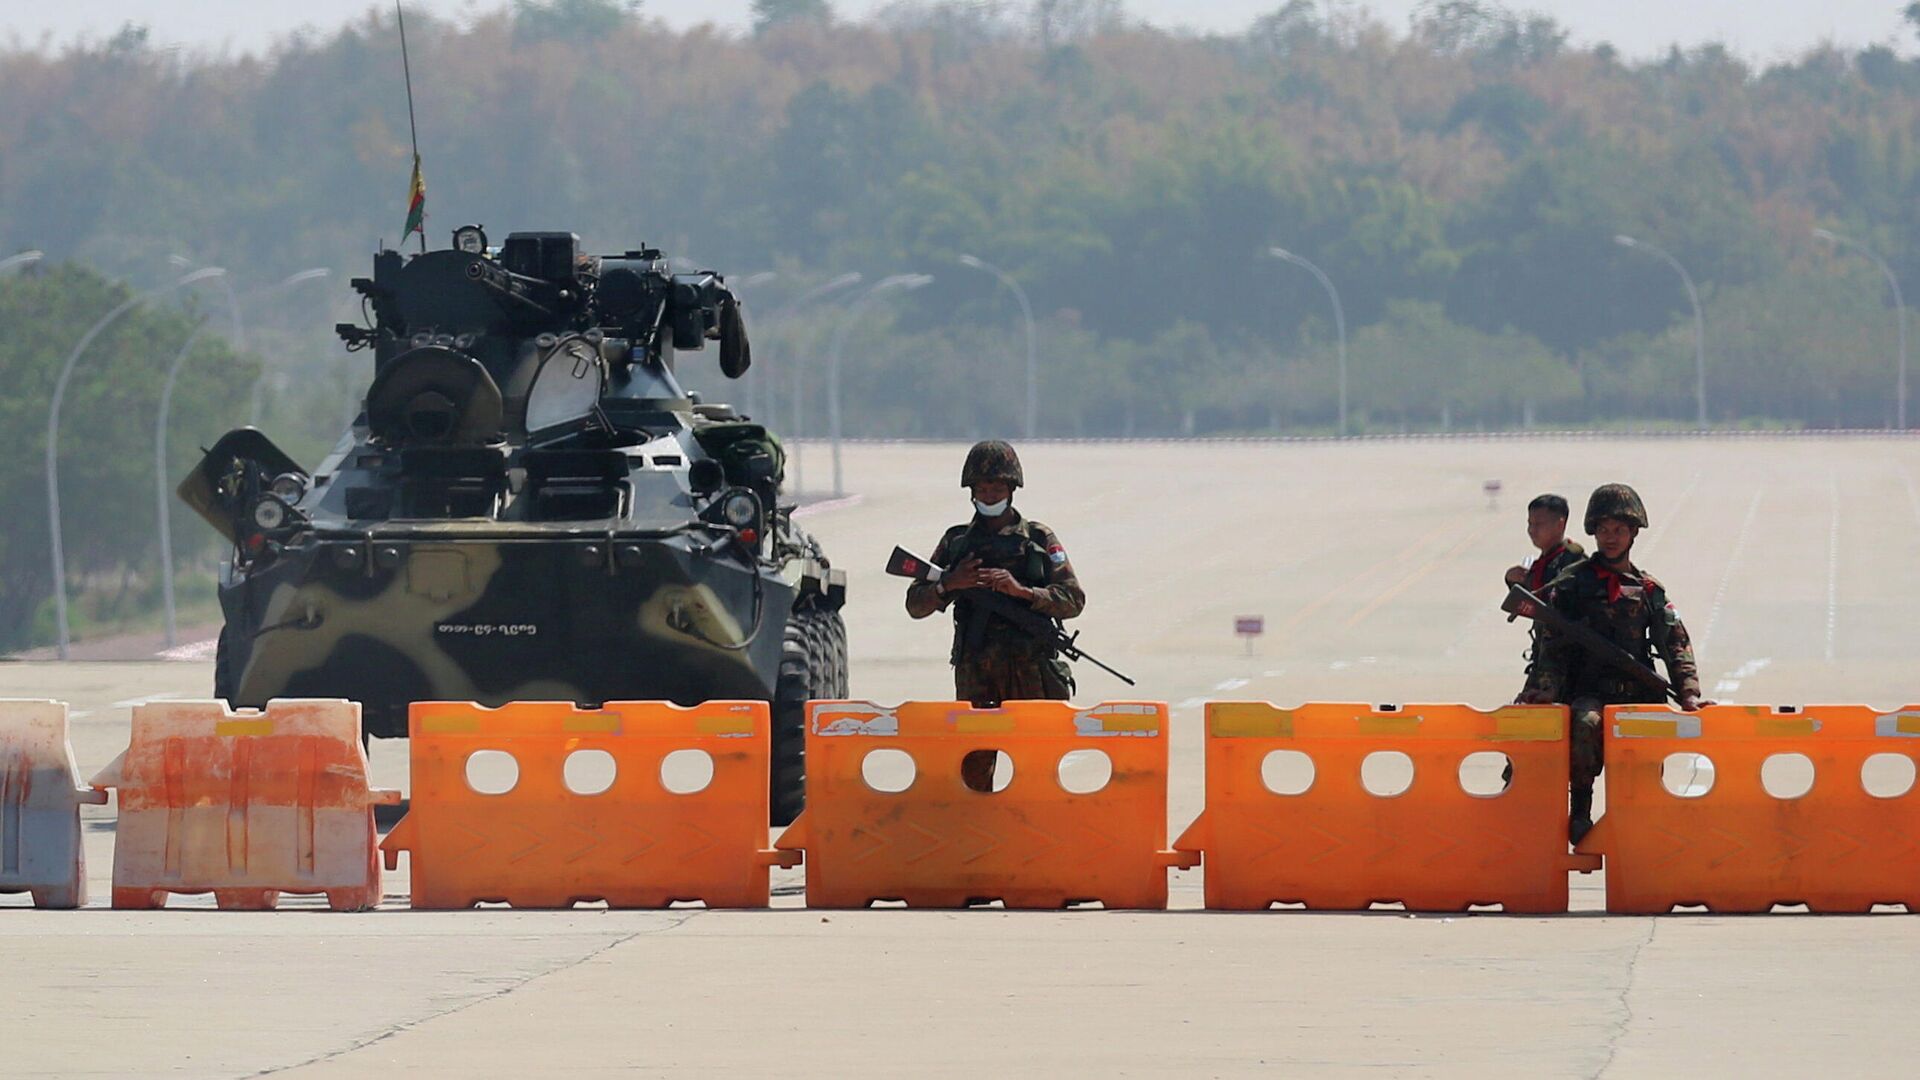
[1337,846]
[540,844]
[40,849]
[245,805]
[1730,845]
[938,843]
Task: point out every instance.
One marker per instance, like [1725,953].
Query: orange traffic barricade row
[1290,817]
[40,797]
[1741,807]
[638,803]
[1081,817]
[246,805]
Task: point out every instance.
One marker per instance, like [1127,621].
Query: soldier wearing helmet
[1624,604]
[1001,551]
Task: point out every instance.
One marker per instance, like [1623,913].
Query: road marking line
[1412,579]
[133,703]
[1686,499]
[1229,684]
[1726,576]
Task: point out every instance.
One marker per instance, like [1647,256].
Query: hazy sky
[1762,29]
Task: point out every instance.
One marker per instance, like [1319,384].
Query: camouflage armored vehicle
[529,507]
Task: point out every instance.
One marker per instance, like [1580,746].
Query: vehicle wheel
[222,678]
[837,654]
[791,692]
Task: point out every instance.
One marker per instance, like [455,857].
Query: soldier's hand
[1534,697]
[1693,702]
[1516,574]
[1002,582]
[964,576]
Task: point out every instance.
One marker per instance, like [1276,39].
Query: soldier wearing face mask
[1019,558]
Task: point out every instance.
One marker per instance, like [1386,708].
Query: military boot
[1580,817]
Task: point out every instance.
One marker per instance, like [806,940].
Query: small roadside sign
[1249,627]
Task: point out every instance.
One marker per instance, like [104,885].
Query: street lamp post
[53,437]
[798,393]
[1339,319]
[1026,311]
[884,285]
[20,260]
[163,504]
[1699,321]
[1900,302]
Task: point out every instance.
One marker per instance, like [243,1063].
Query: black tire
[791,692]
[813,667]
[222,677]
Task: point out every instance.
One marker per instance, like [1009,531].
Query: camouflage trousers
[988,680]
[1587,750]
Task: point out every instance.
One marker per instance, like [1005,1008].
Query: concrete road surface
[1796,564]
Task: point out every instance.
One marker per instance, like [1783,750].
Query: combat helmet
[1615,501]
[991,459]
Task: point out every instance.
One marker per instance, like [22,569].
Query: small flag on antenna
[416,203]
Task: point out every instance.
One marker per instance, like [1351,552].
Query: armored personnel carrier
[529,507]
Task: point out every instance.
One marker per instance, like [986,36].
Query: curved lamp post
[1900,301]
[1026,311]
[898,282]
[21,260]
[53,437]
[1699,321]
[163,504]
[1339,319]
[798,394]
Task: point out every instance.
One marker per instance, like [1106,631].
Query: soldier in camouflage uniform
[1624,604]
[1001,551]
[1547,530]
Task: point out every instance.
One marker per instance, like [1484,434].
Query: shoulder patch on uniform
[1056,554]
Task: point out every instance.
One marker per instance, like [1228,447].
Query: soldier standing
[1547,529]
[993,661]
[1624,604]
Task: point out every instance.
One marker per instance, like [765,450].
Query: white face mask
[992,510]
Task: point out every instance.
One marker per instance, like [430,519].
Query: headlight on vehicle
[740,509]
[270,513]
[289,488]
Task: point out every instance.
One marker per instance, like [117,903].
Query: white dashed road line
[1833,568]
[1726,576]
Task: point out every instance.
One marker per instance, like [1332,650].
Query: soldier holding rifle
[992,571]
[1598,634]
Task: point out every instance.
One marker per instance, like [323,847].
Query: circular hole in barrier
[1083,772]
[1286,772]
[1002,769]
[1386,773]
[588,772]
[492,772]
[1887,776]
[1485,773]
[1687,775]
[888,771]
[684,772]
[1787,776]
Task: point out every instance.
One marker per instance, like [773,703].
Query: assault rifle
[905,564]
[1521,602]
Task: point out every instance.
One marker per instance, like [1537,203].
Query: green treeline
[1460,180]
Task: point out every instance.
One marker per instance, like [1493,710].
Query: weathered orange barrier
[40,797]
[1330,843]
[621,836]
[245,805]
[938,843]
[1730,845]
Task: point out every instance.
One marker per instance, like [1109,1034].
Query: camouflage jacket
[1627,607]
[1550,565]
[1028,550]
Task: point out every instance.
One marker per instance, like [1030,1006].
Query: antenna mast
[417,193]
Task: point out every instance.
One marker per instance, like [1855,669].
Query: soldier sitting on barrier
[1001,552]
[1622,604]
